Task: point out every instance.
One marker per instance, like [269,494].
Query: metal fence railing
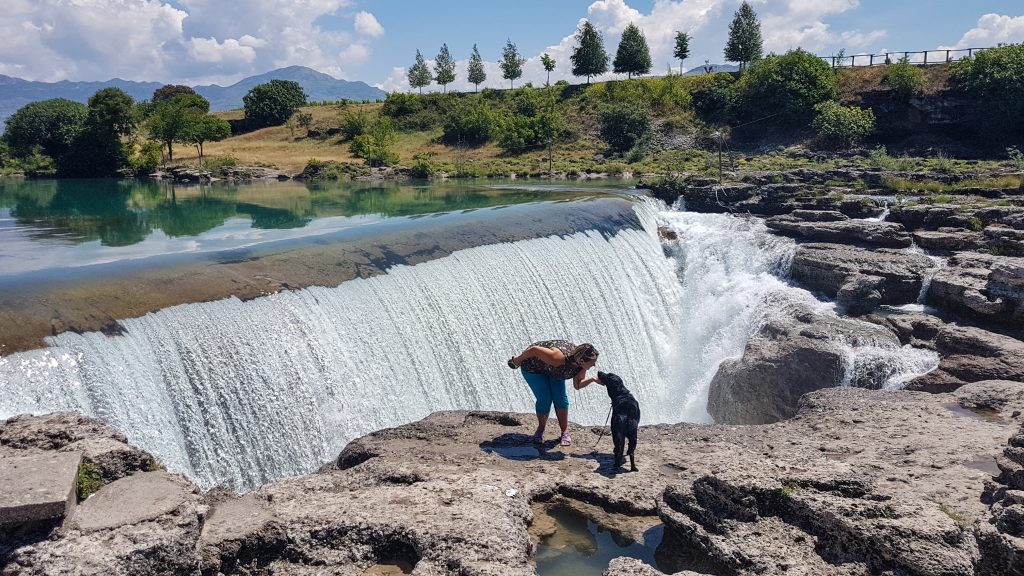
[923,58]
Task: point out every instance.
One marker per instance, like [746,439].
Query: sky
[222,41]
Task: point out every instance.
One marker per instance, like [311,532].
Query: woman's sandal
[538,438]
[566,440]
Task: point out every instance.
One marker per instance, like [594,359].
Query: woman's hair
[584,353]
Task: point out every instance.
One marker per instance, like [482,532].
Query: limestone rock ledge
[858,481]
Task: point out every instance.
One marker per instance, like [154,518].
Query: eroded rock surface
[828,268]
[869,232]
[858,481]
[984,286]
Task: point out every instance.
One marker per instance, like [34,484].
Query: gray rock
[984,286]
[142,497]
[38,489]
[860,293]
[827,267]
[949,240]
[819,215]
[1005,241]
[798,350]
[885,234]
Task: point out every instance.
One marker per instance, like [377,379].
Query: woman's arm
[579,383]
[550,356]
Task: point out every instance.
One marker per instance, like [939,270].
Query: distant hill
[714,68]
[15,92]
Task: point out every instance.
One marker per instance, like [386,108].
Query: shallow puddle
[388,569]
[573,545]
[985,463]
[982,414]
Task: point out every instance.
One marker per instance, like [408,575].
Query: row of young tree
[113,134]
[589,57]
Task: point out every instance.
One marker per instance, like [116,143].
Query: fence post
[871,62]
[947,56]
[925,57]
[969,50]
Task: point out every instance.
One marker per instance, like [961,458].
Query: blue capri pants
[547,390]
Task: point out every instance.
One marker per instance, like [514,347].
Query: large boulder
[968,354]
[949,239]
[983,286]
[827,268]
[801,348]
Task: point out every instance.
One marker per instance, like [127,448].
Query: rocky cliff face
[858,481]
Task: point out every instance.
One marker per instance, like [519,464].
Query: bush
[995,77]
[273,103]
[714,96]
[788,86]
[375,146]
[904,78]
[422,167]
[470,122]
[415,112]
[355,123]
[147,158]
[50,125]
[625,126]
[838,125]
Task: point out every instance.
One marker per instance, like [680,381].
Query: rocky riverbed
[858,481]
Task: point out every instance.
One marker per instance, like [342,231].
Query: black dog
[625,417]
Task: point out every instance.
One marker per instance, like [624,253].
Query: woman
[546,366]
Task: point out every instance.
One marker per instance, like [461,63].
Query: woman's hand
[581,384]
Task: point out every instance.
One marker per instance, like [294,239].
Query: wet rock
[819,215]
[885,234]
[984,286]
[860,294]
[799,349]
[826,268]
[972,354]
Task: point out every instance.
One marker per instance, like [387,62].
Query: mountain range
[15,92]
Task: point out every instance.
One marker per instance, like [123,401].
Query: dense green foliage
[744,45]
[633,56]
[475,70]
[419,74]
[625,126]
[375,146]
[170,91]
[97,149]
[714,97]
[995,77]
[171,118]
[549,66]
[471,122]
[50,125]
[205,128]
[511,63]
[444,67]
[787,86]
[273,103]
[355,122]
[838,125]
[904,78]
[588,57]
[682,48]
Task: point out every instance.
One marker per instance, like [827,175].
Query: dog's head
[612,383]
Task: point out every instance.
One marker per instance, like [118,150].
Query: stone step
[37,489]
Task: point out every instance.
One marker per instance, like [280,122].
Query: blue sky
[222,41]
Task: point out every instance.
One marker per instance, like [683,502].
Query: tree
[171,120]
[170,91]
[511,63]
[419,74]
[744,45]
[549,66]
[477,76]
[205,128]
[682,50]
[112,110]
[633,55]
[444,68]
[273,103]
[97,149]
[625,126]
[589,58]
[787,86]
[50,125]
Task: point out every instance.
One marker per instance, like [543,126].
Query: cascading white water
[242,393]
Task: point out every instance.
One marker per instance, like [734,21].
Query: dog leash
[601,435]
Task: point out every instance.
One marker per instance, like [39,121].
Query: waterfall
[242,393]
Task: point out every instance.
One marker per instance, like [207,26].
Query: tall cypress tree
[477,75]
[744,45]
[444,68]
[633,55]
[682,50]
[419,74]
[589,58]
[511,63]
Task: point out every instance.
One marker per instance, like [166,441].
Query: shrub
[880,158]
[788,86]
[355,123]
[51,125]
[273,103]
[904,78]
[470,122]
[1016,157]
[375,146]
[147,158]
[422,167]
[625,126]
[713,98]
[518,131]
[839,125]
[995,77]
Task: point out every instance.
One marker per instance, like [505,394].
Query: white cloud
[184,41]
[992,29]
[367,25]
